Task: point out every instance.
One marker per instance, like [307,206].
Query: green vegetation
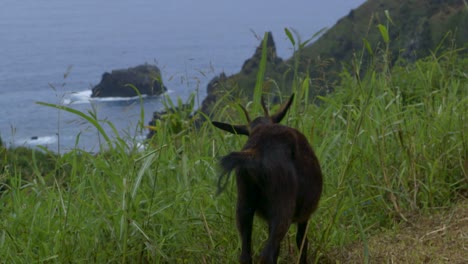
[391,144]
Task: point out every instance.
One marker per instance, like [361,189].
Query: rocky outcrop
[253,63]
[146,78]
[243,83]
[213,91]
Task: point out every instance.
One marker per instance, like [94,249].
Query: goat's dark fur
[278,177]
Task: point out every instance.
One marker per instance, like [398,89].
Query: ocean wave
[37,141]
[112,99]
[84,97]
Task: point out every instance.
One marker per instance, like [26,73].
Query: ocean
[55,51]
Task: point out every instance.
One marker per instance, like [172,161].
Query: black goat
[278,177]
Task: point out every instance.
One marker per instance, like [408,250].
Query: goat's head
[267,119]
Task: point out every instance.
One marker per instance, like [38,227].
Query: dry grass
[438,237]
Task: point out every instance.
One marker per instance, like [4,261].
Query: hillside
[415,30]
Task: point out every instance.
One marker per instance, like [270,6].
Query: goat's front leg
[301,241]
[245,215]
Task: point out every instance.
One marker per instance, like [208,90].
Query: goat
[278,178]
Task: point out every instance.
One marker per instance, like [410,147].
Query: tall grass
[390,143]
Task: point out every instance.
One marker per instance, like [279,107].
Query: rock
[243,83]
[146,78]
[214,88]
[253,63]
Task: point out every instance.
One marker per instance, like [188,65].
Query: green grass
[390,144]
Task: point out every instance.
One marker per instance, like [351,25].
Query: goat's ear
[278,116]
[234,129]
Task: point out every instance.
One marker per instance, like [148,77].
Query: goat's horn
[265,110]
[245,113]
[276,118]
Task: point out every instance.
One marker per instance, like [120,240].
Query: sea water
[55,51]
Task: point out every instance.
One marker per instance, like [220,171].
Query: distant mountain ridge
[416,28]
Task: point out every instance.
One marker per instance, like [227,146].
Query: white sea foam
[78,97]
[37,140]
[84,97]
[110,99]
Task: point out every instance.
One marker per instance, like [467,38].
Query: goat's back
[278,166]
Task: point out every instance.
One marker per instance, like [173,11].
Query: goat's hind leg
[301,241]
[245,215]
[277,230]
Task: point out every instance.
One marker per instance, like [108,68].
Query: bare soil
[436,237]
